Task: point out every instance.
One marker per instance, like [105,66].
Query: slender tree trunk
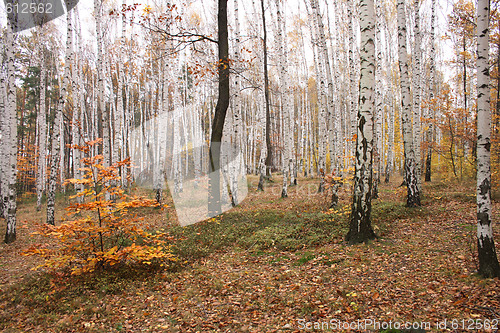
[430,131]
[488,262]
[58,130]
[270,151]
[42,133]
[214,202]
[4,138]
[413,195]
[79,100]
[236,148]
[11,142]
[416,95]
[101,103]
[287,107]
[378,102]
[360,229]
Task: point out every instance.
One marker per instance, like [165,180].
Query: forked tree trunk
[360,229]
[488,262]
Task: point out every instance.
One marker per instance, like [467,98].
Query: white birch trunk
[58,133]
[416,95]
[360,229]
[287,108]
[11,142]
[101,102]
[430,112]
[4,139]
[488,262]
[42,133]
[413,195]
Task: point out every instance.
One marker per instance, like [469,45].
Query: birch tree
[410,167]
[101,103]
[269,147]
[360,229]
[4,130]
[287,108]
[488,262]
[416,94]
[430,113]
[10,127]
[57,131]
[42,132]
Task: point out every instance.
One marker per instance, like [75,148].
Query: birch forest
[249,165]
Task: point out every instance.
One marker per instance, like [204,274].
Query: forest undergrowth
[270,265]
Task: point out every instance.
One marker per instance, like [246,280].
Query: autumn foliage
[100,231]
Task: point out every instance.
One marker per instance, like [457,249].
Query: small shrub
[101,232]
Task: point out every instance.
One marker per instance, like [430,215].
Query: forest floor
[275,265]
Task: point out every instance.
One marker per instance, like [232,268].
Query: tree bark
[42,133]
[413,194]
[430,131]
[360,229]
[214,202]
[488,261]
[58,131]
[11,142]
[269,157]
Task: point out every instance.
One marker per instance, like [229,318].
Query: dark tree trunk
[269,158]
[214,203]
[260,187]
[428,162]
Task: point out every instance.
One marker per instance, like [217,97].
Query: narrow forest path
[419,270]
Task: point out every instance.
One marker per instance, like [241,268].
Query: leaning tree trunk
[413,194]
[360,229]
[214,202]
[488,262]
